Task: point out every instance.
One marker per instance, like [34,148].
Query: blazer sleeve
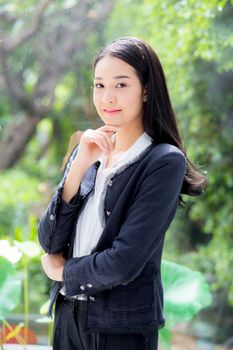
[146,222]
[56,225]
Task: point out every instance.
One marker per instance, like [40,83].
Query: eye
[121,85]
[98,85]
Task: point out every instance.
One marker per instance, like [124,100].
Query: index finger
[109,128]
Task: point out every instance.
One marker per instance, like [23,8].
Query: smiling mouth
[112,111]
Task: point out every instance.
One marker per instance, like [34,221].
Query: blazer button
[52,217]
[110,183]
[89,285]
[82,287]
[108,212]
[92,298]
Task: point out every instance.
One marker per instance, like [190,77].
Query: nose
[109,97]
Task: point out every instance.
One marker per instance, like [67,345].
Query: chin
[112,123]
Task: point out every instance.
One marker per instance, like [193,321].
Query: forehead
[110,66]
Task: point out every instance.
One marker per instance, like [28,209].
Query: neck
[125,138]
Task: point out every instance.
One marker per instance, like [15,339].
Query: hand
[53,265]
[94,142]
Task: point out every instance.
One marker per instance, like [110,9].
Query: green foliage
[19,193]
[15,188]
[10,288]
[165,338]
[186,292]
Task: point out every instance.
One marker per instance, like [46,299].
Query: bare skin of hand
[53,265]
[93,142]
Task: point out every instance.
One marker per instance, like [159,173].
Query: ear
[145,93]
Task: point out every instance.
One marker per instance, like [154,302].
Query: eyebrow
[116,77]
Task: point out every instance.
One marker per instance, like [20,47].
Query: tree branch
[56,51]
[64,44]
[8,18]
[18,133]
[12,43]
[17,95]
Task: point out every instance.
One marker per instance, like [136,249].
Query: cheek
[95,99]
[135,99]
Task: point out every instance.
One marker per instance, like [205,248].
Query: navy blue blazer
[121,277]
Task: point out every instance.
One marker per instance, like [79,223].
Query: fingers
[108,127]
[106,140]
[98,139]
[108,130]
[101,137]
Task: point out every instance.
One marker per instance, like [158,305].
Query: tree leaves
[10,288]
[186,292]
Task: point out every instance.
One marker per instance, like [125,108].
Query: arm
[53,265]
[147,220]
[56,224]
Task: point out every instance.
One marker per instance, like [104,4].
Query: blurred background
[46,54]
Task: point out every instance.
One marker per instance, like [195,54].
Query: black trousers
[69,332]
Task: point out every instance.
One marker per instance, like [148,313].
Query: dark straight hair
[159,119]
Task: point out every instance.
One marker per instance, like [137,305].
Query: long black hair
[159,119]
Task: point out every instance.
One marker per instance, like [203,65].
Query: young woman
[104,228]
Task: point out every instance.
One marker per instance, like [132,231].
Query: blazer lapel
[88,179]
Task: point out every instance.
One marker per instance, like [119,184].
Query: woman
[104,228]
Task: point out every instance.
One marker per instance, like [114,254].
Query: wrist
[57,274]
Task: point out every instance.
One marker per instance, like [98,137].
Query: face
[118,94]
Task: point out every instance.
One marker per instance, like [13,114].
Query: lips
[112,111]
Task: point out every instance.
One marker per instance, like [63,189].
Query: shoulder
[165,154]
[166,150]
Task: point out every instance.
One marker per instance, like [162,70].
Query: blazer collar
[88,179]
